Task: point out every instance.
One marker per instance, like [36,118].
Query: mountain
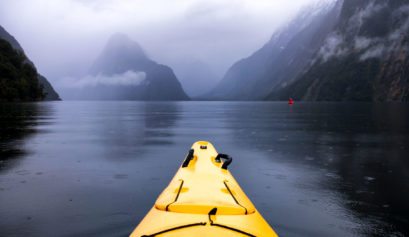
[48,90]
[345,50]
[364,57]
[18,79]
[124,72]
[17,72]
[281,59]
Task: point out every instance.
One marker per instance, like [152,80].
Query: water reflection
[160,120]
[18,121]
[92,170]
[115,131]
[359,153]
[96,168]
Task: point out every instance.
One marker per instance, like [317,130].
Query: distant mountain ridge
[342,50]
[282,58]
[48,91]
[123,71]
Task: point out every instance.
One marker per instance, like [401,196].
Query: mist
[64,37]
[128,78]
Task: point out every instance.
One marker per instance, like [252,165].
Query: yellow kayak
[203,199]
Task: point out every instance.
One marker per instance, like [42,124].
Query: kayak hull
[203,199]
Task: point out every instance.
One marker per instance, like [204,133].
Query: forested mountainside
[364,58]
[341,50]
[19,79]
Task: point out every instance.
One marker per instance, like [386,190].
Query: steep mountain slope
[281,59]
[18,79]
[47,89]
[364,57]
[124,72]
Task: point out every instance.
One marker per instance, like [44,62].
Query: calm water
[96,168]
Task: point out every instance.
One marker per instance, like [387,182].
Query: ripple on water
[22,172]
[369,178]
[121,176]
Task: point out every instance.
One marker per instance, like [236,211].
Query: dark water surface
[96,168]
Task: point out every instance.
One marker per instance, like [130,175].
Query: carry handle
[188,158]
[227,162]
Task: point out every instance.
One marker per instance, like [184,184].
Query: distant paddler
[290,101]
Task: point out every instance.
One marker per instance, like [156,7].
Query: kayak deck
[203,199]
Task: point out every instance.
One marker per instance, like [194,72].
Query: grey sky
[63,37]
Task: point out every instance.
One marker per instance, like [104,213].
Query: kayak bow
[203,199]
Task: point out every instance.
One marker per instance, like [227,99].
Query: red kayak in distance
[290,101]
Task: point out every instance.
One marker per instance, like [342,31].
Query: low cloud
[373,52]
[332,47]
[368,47]
[356,21]
[128,78]
[379,47]
[362,42]
[402,30]
[63,37]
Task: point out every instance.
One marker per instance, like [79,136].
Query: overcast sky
[63,37]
